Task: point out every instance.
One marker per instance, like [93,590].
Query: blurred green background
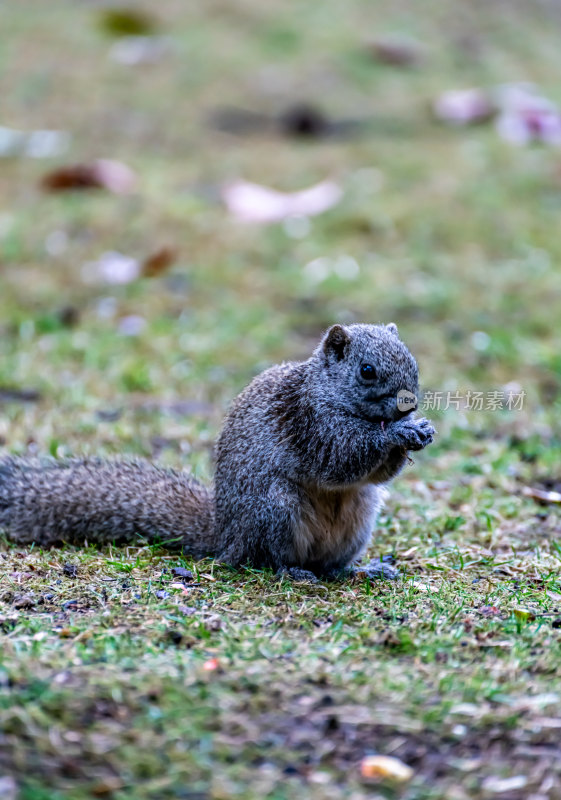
[450,231]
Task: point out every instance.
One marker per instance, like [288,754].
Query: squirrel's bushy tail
[49,502]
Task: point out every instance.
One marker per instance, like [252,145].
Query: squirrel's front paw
[413,434]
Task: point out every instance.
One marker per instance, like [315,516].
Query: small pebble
[181,572]
[189,611]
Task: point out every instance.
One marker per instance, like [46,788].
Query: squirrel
[301,465]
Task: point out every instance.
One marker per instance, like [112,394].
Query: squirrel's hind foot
[375,569]
[298,575]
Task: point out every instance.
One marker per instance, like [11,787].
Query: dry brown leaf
[103,173]
[424,587]
[107,786]
[159,261]
[385,768]
[127,21]
[524,614]
[504,645]
[83,636]
[396,52]
[541,495]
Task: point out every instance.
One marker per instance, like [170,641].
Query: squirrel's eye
[367,372]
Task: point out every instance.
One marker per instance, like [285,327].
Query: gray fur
[90,500]
[301,465]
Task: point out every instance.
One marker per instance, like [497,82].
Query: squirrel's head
[369,371]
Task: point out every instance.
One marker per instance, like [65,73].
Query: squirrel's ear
[392,328]
[336,341]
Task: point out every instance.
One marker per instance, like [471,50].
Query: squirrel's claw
[414,434]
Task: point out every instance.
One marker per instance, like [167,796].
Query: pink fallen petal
[250,202]
[133,50]
[513,129]
[463,107]
[115,176]
[527,117]
[133,325]
[530,125]
[111,267]
[182,588]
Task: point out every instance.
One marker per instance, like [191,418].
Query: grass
[120,682]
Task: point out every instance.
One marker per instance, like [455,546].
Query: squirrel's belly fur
[335,526]
[301,463]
